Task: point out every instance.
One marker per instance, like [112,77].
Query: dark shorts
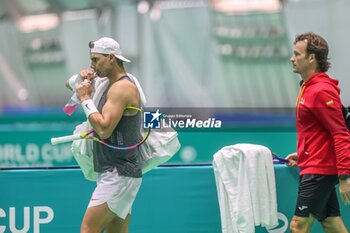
[317,196]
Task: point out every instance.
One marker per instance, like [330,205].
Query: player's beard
[98,73]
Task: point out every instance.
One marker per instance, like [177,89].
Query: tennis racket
[88,135]
[278,159]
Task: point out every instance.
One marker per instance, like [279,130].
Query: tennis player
[323,148]
[120,173]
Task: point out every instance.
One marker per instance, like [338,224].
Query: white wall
[174,57]
[329,18]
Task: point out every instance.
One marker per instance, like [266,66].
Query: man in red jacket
[323,148]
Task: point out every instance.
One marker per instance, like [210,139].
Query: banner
[171,200]
[30,146]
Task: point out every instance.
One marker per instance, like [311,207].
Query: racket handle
[69,138]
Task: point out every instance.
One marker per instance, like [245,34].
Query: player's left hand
[84,90]
[344,191]
[293,159]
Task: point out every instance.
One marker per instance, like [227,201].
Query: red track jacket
[323,139]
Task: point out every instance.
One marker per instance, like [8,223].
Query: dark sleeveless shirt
[126,133]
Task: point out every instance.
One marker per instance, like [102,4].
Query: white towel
[102,83]
[142,94]
[245,181]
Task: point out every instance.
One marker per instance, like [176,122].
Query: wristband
[88,107]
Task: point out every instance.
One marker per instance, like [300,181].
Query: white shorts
[119,192]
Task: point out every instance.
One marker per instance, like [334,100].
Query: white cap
[106,45]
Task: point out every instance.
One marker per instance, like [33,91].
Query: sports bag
[161,145]
[82,152]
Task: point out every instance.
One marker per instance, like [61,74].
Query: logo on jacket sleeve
[330,102]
